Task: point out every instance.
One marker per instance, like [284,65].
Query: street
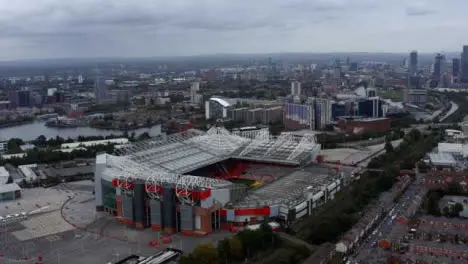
[387,225]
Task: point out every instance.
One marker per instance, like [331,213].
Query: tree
[446,211]
[389,147]
[41,140]
[454,188]
[143,136]
[457,209]
[187,259]
[236,250]
[14,145]
[224,251]
[205,253]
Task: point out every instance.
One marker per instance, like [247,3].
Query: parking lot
[77,234]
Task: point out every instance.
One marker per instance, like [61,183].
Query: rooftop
[167,159]
[292,187]
[442,158]
[11,187]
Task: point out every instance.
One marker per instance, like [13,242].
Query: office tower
[464,65]
[24,98]
[195,97]
[299,116]
[371,107]
[353,67]
[414,82]
[295,88]
[413,64]
[322,110]
[123,97]
[100,90]
[13,98]
[337,63]
[80,79]
[438,67]
[455,67]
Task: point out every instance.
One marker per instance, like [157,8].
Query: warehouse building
[9,192]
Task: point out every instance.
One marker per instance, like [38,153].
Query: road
[387,224]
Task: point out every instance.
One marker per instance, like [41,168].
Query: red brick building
[359,126]
[441,179]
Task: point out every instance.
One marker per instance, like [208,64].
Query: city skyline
[83,29]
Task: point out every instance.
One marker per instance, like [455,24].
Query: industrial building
[417,96]
[153,183]
[4,175]
[356,125]
[9,192]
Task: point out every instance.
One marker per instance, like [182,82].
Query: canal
[31,131]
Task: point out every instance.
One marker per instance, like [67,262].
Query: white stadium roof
[166,160]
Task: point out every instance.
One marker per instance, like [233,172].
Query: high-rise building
[100,89]
[464,65]
[80,79]
[353,67]
[322,109]
[195,97]
[24,98]
[413,64]
[371,107]
[295,88]
[122,97]
[455,67]
[13,98]
[299,116]
[438,67]
[414,82]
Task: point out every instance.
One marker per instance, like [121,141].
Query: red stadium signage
[151,188]
[262,211]
[195,194]
[123,184]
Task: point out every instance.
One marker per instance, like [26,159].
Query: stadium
[197,182]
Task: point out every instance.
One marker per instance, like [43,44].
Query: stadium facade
[151,184]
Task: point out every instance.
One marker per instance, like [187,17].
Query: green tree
[205,253]
[143,136]
[236,250]
[14,145]
[224,251]
[389,147]
[446,211]
[188,259]
[457,209]
[454,188]
[40,141]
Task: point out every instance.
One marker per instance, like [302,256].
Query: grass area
[391,94]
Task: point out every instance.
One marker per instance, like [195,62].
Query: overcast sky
[111,28]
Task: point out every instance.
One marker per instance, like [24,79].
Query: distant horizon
[233,54]
[87,29]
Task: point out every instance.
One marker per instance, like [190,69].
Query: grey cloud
[177,26]
[419,9]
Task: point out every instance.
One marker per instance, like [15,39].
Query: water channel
[31,131]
